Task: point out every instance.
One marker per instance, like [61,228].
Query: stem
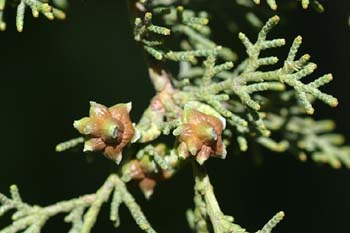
[67,206]
[135,210]
[204,187]
[221,223]
[102,196]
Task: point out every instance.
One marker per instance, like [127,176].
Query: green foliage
[31,219]
[305,4]
[36,7]
[203,104]
[316,138]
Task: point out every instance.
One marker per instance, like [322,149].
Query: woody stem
[204,187]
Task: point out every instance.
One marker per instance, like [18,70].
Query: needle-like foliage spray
[210,101]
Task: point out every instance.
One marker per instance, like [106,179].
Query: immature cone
[146,172]
[107,129]
[147,180]
[200,135]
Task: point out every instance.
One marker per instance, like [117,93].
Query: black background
[51,70]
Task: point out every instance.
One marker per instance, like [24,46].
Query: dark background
[51,70]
